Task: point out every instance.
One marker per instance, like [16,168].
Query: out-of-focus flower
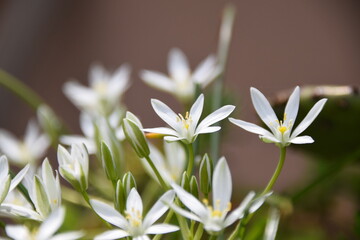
[215,218]
[74,165]
[28,150]
[181,82]
[186,128]
[87,126]
[46,230]
[133,224]
[104,93]
[281,130]
[171,165]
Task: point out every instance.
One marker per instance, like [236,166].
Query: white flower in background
[215,218]
[134,224]
[181,82]
[171,165]
[281,130]
[27,150]
[6,184]
[87,127]
[74,165]
[187,128]
[46,230]
[105,90]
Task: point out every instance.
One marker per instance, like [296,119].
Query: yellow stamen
[282,129]
[154,135]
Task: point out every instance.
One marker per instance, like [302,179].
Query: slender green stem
[158,176]
[190,164]
[212,237]
[277,171]
[199,232]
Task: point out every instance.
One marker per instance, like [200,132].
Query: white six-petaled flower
[104,93]
[187,128]
[181,82]
[215,217]
[133,224]
[281,130]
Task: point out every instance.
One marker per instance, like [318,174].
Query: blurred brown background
[276,45]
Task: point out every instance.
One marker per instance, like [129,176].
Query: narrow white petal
[111,235]
[159,208]
[215,117]
[205,70]
[209,130]
[161,229]
[178,65]
[196,109]
[161,130]
[185,213]
[222,185]
[4,167]
[17,232]
[109,214]
[119,81]
[292,106]
[143,237]
[263,107]
[51,224]
[302,140]
[19,177]
[15,210]
[173,139]
[270,138]
[257,202]
[77,139]
[310,117]
[158,80]
[272,224]
[68,235]
[10,146]
[250,127]
[239,211]
[165,113]
[190,201]
[134,201]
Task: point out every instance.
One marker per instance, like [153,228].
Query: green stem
[277,171]
[199,232]
[190,164]
[158,176]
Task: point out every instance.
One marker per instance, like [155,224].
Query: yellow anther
[285,116]
[228,207]
[205,201]
[282,129]
[187,115]
[216,213]
[154,135]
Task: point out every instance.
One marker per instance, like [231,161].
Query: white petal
[134,201]
[222,185]
[161,229]
[159,208]
[161,130]
[263,107]
[292,106]
[190,201]
[257,202]
[143,237]
[173,139]
[51,224]
[204,71]
[68,235]
[112,234]
[239,211]
[158,80]
[32,132]
[214,117]
[209,130]
[10,146]
[4,168]
[250,127]
[302,140]
[109,214]
[79,95]
[165,113]
[270,138]
[119,81]
[19,177]
[272,224]
[178,65]
[196,109]
[310,117]
[77,139]
[185,213]
[15,210]
[17,232]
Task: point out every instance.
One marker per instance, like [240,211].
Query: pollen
[282,129]
[186,121]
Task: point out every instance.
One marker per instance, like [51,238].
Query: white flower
[6,184]
[74,165]
[87,126]
[182,82]
[215,218]
[105,90]
[46,230]
[133,224]
[187,128]
[281,130]
[28,150]
[172,165]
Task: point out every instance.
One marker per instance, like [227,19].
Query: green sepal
[42,201]
[205,174]
[120,197]
[185,182]
[5,190]
[71,179]
[136,138]
[194,187]
[128,182]
[108,160]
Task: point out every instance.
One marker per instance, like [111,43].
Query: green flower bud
[108,162]
[42,202]
[205,174]
[128,182]
[136,137]
[120,198]
[185,182]
[194,188]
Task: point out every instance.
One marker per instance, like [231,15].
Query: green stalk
[277,171]
[190,164]
[158,176]
[223,52]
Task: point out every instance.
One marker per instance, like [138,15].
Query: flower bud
[128,182]
[194,187]
[205,173]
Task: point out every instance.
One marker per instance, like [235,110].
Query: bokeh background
[276,45]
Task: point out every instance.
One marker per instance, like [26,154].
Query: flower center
[134,217]
[101,87]
[217,213]
[186,121]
